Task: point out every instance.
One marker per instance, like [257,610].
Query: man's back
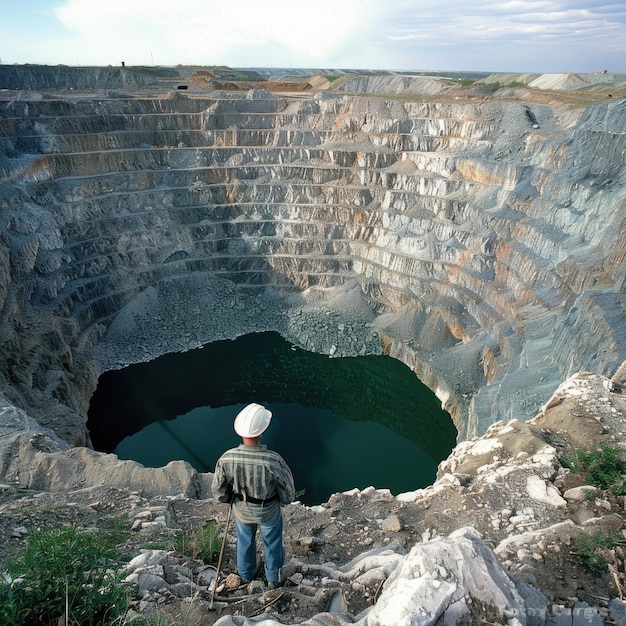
[256,472]
[257,481]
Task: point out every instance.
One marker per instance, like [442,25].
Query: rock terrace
[480,233]
[476,235]
[495,534]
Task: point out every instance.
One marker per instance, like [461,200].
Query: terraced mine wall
[481,243]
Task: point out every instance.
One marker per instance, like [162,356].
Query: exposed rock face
[492,540]
[480,242]
[484,239]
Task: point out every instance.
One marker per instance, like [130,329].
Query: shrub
[604,467]
[64,569]
[489,87]
[496,85]
[591,549]
[200,542]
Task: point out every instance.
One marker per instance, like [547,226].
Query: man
[259,481]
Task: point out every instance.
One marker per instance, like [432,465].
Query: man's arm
[222,485]
[284,484]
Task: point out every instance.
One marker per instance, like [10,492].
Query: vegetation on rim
[604,467]
[65,574]
[200,542]
[76,576]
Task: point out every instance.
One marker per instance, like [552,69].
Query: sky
[538,36]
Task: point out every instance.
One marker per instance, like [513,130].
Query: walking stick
[219,561]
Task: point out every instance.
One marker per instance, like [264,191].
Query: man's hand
[228,496]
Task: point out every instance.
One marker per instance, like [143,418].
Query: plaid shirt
[259,473]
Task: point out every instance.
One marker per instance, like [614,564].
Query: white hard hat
[252,421]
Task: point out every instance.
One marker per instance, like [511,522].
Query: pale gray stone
[150,583]
[617,610]
[183,589]
[392,524]
[147,558]
[580,494]
[542,491]
[584,615]
[439,573]
[207,577]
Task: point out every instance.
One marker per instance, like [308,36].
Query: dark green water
[339,423]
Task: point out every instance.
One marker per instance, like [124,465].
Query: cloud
[507,35]
[545,35]
[517,19]
[212,31]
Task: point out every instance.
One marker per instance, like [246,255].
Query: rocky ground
[361,553]
[509,485]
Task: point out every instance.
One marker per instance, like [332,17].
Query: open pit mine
[475,232]
[483,237]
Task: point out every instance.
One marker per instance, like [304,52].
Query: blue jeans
[273,548]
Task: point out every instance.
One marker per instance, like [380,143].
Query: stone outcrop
[478,239]
[483,236]
[444,581]
[36,458]
[494,539]
[441,576]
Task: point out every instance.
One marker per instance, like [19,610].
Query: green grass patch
[591,549]
[200,542]
[493,87]
[65,573]
[604,467]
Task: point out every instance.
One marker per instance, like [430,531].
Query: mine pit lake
[339,423]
